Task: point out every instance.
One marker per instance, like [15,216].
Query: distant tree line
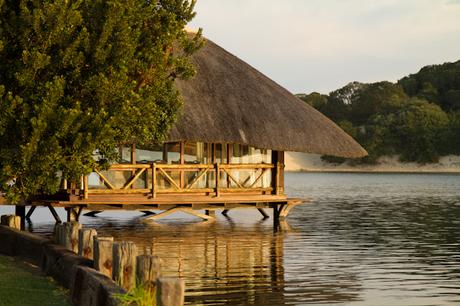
[417,118]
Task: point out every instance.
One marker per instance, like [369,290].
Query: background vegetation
[417,118]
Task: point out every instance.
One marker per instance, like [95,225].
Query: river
[365,239]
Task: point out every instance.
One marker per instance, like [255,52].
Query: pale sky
[321,45]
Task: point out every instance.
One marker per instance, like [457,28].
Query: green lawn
[21,285]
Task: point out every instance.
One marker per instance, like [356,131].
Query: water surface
[366,239]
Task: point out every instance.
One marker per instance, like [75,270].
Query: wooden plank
[118,191]
[128,167]
[133,179]
[154,180]
[166,175]
[233,179]
[192,167]
[247,166]
[202,173]
[124,264]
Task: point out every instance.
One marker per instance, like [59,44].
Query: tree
[84,76]
[375,98]
[413,131]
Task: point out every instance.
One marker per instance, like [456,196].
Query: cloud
[322,44]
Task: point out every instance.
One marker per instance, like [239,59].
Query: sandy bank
[313,163]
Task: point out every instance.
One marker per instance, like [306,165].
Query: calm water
[367,239]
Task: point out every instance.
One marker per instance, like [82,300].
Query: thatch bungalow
[225,151]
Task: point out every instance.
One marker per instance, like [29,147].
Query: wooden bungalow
[225,151]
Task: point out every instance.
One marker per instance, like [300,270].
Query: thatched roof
[229,101]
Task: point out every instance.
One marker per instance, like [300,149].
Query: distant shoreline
[357,171]
[300,162]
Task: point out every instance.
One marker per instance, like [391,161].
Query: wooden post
[85,186]
[154,180]
[86,242]
[69,235]
[103,255]
[11,221]
[20,211]
[124,264]
[211,213]
[170,292]
[148,269]
[217,179]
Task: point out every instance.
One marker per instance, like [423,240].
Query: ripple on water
[367,239]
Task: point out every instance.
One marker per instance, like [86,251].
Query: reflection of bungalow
[225,151]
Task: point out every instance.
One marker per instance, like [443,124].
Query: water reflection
[365,240]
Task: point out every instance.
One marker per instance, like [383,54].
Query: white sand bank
[312,162]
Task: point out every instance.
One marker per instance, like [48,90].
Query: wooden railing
[153,179]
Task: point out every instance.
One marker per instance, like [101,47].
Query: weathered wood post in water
[124,264]
[148,269]
[11,221]
[86,242]
[69,235]
[103,255]
[170,292]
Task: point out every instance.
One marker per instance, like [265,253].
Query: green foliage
[438,84]
[140,295]
[86,75]
[413,130]
[413,118]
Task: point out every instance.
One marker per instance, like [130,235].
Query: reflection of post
[276,256]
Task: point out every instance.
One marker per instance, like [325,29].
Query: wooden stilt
[211,213]
[263,213]
[20,211]
[73,214]
[55,214]
[30,212]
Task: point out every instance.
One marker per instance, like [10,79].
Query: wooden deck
[172,188]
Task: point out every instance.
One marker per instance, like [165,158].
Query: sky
[321,45]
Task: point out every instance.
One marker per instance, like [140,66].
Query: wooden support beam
[54,213]
[133,179]
[263,213]
[106,181]
[30,212]
[211,213]
[171,181]
[148,212]
[225,212]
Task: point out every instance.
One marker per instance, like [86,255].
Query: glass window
[148,154]
[196,153]
[125,155]
[172,151]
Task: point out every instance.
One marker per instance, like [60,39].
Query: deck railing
[153,179]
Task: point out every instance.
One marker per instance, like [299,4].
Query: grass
[21,285]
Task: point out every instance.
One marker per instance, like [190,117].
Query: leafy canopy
[85,75]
